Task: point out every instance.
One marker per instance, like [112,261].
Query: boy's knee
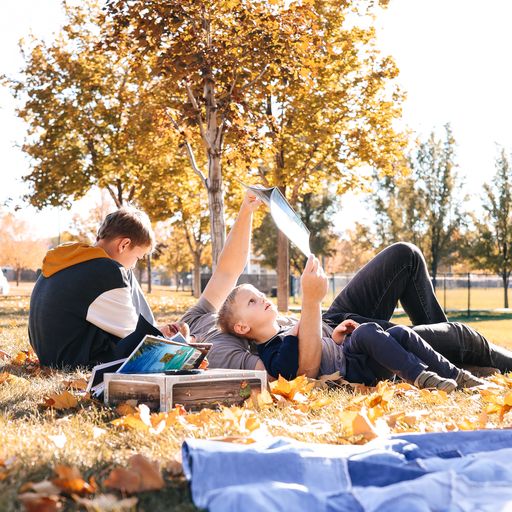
[404,250]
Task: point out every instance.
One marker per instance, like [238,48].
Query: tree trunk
[177,276]
[214,136]
[283,272]
[434,272]
[197,276]
[505,278]
[150,281]
[18,275]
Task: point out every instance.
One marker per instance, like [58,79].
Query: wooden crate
[162,392]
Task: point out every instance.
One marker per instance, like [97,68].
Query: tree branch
[252,82]
[195,106]
[190,152]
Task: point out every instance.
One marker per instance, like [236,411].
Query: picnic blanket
[447,471]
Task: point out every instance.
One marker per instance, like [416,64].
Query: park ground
[41,433]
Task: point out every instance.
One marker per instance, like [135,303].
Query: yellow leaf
[64,400]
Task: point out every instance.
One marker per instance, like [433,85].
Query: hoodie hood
[69,254]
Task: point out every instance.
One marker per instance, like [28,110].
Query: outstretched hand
[250,202]
[313,281]
[340,332]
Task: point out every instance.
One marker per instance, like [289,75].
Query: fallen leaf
[35,503]
[141,475]
[43,488]
[6,377]
[125,408]
[70,480]
[4,355]
[77,384]
[64,400]
[174,467]
[107,503]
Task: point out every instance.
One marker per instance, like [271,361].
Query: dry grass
[26,426]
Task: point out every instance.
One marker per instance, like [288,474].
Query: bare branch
[190,152]
[252,82]
[195,105]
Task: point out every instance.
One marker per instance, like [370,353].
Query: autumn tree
[293,88]
[20,249]
[491,241]
[424,207]
[351,252]
[91,115]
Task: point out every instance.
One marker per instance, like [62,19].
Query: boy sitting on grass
[86,306]
[363,353]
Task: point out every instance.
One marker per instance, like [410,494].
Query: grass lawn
[34,439]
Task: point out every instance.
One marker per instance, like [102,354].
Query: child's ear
[241,328]
[124,243]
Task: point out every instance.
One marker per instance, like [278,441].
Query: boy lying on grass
[362,353]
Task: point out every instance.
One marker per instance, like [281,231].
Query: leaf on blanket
[141,475]
[64,400]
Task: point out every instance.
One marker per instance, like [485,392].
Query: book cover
[157,355]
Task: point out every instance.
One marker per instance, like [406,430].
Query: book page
[289,222]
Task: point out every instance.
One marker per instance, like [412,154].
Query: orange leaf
[142,475]
[508,398]
[70,480]
[35,503]
[64,400]
[78,384]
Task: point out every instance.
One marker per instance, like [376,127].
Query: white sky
[453,56]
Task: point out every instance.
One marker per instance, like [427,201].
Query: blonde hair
[226,316]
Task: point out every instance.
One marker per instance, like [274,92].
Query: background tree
[425,207]
[350,253]
[91,116]
[20,250]
[491,241]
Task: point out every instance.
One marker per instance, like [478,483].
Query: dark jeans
[399,273]
[373,354]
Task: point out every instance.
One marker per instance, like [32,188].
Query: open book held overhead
[285,217]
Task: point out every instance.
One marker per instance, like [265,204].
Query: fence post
[469,295]
[444,293]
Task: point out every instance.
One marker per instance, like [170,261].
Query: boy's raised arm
[233,257]
[314,287]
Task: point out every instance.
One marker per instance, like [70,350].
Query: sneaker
[466,379]
[431,380]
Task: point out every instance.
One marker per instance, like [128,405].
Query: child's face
[130,254]
[253,309]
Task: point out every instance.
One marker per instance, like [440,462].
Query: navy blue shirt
[280,355]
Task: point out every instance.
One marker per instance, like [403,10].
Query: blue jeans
[399,273]
[372,354]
